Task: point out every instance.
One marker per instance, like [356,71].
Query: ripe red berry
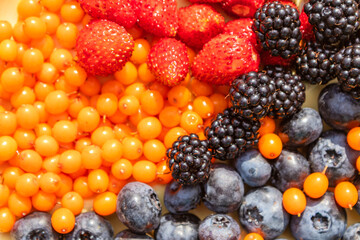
[242,8]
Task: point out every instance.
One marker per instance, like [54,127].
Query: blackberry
[252,95]
[277,27]
[347,69]
[289,92]
[230,134]
[334,21]
[189,160]
[314,64]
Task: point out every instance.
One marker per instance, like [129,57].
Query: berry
[253,168]
[127,234]
[294,201]
[346,194]
[224,58]
[198,23]
[277,27]
[242,8]
[353,138]
[333,21]
[181,198]
[322,219]
[315,64]
[270,145]
[252,95]
[189,160]
[178,226]
[115,43]
[224,190]
[219,227]
[36,225]
[139,216]
[316,184]
[122,12]
[95,8]
[301,129]
[262,212]
[347,67]
[306,28]
[158,17]
[352,232]
[168,61]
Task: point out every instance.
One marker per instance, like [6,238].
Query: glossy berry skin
[169,62]
[253,168]
[242,8]
[138,207]
[224,190]
[127,234]
[219,227]
[178,226]
[181,198]
[332,150]
[331,104]
[352,232]
[322,219]
[95,8]
[122,12]
[36,225]
[262,212]
[301,129]
[290,169]
[103,47]
[90,225]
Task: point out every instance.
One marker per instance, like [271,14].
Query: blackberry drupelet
[289,92]
[334,21]
[277,27]
[347,69]
[314,64]
[230,134]
[189,160]
[252,95]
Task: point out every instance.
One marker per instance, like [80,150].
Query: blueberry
[224,189]
[339,109]
[219,227]
[332,150]
[301,129]
[178,226]
[181,198]
[89,225]
[138,207]
[352,232]
[322,219]
[289,170]
[36,225]
[253,168]
[128,235]
[262,211]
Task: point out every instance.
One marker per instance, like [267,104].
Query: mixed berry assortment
[100,98]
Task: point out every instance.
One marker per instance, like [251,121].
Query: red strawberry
[121,12]
[306,28]
[242,28]
[168,60]
[158,17]
[268,59]
[198,23]
[95,8]
[103,47]
[242,8]
[224,58]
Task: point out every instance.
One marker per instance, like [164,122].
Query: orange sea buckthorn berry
[51,164]
[91,86]
[122,169]
[161,88]
[8,50]
[270,146]
[34,27]
[294,201]
[52,5]
[32,60]
[8,148]
[219,101]
[91,157]
[46,45]
[63,220]
[199,88]
[43,201]
[50,182]
[346,194]
[98,181]
[12,79]
[358,164]
[48,73]
[121,131]
[127,75]
[20,206]
[30,161]
[75,75]
[8,123]
[101,135]
[82,143]
[253,236]
[19,33]
[223,89]
[61,84]
[129,105]
[135,89]
[51,20]
[172,135]
[10,176]
[27,116]
[70,161]
[107,104]
[191,121]
[105,203]
[118,117]
[141,51]
[81,186]
[66,34]
[24,138]
[154,150]
[114,87]
[42,90]
[267,126]
[88,119]
[27,185]
[28,8]
[316,185]
[77,103]
[5,30]
[179,96]
[115,185]
[61,58]
[203,106]
[149,128]
[66,185]
[111,150]
[145,74]
[57,102]
[23,96]
[132,148]
[46,146]
[137,117]
[64,131]
[4,194]
[73,201]
[163,173]
[72,12]
[151,102]
[170,116]
[353,138]
[7,220]
[144,171]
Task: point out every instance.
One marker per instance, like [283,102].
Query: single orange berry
[294,201]
[149,128]
[10,176]
[267,126]
[43,201]
[316,185]
[122,169]
[27,185]
[20,206]
[144,171]
[132,148]
[7,220]
[154,150]
[346,194]
[111,150]
[163,173]
[253,236]
[270,145]
[66,185]
[81,186]
[191,121]
[98,181]
[63,220]
[353,138]
[105,203]
[73,201]
[50,182]
[4,194]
